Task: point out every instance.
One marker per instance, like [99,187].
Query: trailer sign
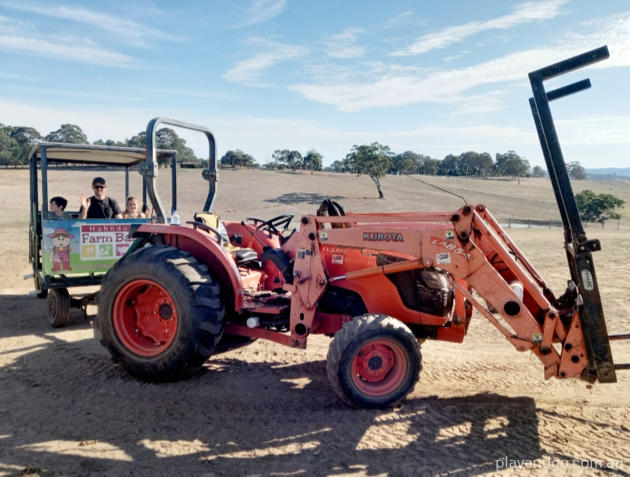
[104,241]
[84,246]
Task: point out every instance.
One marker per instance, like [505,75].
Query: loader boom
[578,247]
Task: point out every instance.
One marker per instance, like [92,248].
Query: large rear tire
[160,313]
[373,361]
[58,307]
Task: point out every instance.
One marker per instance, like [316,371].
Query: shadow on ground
[65,408]
[302,197]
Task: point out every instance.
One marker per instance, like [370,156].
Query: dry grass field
[479,408]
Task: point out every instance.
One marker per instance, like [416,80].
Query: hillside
[621,172]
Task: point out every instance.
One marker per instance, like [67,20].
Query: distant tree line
[374,159]
[16,142]
[469,163]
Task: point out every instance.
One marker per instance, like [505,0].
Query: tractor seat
[212,220]
[242,256]
[247,256]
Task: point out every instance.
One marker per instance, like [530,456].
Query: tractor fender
[205,249]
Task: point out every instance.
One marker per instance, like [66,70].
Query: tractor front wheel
[160,313]
[373,361]
[58,307]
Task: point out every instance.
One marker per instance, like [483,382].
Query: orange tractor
[379,284]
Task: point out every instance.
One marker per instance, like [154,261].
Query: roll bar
[149,168]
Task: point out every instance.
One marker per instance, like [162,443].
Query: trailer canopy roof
[85,153]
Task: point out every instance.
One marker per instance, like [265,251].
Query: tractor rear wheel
[373,361]
[160,313]
[58,307]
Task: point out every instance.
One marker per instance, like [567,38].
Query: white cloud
[84,53]
[125,29]
[522,13]
[399,19]
[261,11]
[400,87]
[613,31]
[344,45]
[250,70]
[72,94]
[446,86]
[595,130]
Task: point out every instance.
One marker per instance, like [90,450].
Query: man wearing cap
[99,206]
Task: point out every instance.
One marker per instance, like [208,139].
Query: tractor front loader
[378,284]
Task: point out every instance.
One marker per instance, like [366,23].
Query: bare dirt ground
[479,408]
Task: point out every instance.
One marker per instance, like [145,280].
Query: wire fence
[520,223]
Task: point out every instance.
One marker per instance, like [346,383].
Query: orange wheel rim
[379,367]
[145,317]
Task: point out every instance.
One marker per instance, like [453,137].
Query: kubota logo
[383,236]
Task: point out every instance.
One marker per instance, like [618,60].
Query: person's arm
[85,205]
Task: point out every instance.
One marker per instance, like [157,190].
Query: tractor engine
[426,290]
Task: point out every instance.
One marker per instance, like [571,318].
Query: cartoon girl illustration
[61,239]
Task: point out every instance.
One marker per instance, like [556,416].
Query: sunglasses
[99,187]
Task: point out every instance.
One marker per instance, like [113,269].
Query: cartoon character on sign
[60,240]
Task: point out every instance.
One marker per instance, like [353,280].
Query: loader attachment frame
[577,246]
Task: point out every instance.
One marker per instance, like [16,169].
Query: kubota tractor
[377,283]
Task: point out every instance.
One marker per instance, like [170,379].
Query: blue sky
[432,77]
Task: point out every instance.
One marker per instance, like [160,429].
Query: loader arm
[577,246]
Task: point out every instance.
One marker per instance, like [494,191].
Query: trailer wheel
[373,361]
[58,307]
[160,313]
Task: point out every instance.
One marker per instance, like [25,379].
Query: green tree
[405,163]
[238,158]
[429,166]
[538,171]
[449,166]
[9,147]
[286,158]
[598,207]
[372,160]
[312,161]
[472,163]
[109,142]
[166,138]
[511,164]
[576,171]
[68,133]
[26,137]
[341,166]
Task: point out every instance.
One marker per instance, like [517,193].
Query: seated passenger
[99,206]
[133,210]
[57,205]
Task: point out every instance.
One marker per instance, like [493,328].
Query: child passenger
[132,211]
[57,205]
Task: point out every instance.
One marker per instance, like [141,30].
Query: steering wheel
[272,224]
